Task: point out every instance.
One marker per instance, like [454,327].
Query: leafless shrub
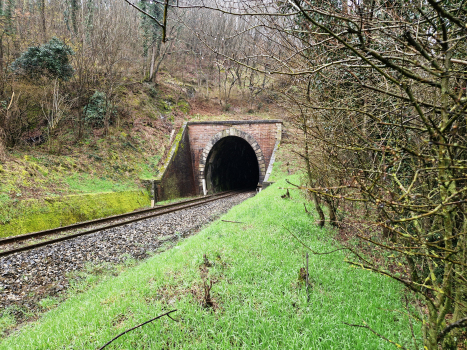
[55,107]
[14,120]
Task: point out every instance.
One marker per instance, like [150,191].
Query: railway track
[15,244]
[27,276]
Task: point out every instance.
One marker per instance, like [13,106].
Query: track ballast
[28,276]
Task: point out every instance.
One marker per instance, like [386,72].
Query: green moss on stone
[183,106]
[34,215]
[172,153]
[171,189]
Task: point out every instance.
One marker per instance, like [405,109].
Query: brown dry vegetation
[47,144]
[130,150]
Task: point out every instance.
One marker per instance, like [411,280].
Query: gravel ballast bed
[30,276]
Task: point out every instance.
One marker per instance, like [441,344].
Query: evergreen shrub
[96,110]
[51,59]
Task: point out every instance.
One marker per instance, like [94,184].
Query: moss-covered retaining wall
[176,176]
[37,215]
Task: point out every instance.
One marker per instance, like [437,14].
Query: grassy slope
[260,302]
[132,151]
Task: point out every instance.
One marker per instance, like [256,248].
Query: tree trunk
[74,15]
[322,218]
[460,296]
[332,212]
[151,69]
[1,55]
[430,330]
[161,56]
[44,32]
[220,84]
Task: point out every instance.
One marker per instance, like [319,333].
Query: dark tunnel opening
[231,165]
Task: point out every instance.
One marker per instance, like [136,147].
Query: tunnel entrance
[231,165]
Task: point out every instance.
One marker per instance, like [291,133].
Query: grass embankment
[97,161]
[259,300]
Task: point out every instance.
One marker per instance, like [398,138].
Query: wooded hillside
[375,92]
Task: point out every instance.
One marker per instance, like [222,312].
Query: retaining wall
[34,215]
[182,174]
[176,176]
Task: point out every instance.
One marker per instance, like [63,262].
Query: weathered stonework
[262,135]
[178,178]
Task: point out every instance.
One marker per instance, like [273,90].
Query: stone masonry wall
[201,133]
[176,180]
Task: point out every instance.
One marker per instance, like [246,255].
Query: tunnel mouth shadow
[231,165]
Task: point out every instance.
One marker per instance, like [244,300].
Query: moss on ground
[183,106]
[36,215]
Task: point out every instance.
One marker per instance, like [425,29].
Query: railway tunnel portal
[208,157]
[231,164]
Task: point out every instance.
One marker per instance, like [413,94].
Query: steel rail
[160,211]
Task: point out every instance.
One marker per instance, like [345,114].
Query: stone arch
[226,133]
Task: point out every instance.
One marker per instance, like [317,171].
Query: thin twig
[234,222]
[140,325]
[379,335]
[163,26]
[312,251]
[461,323]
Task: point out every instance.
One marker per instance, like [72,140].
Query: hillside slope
[114,159]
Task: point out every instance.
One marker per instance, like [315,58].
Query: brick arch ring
[226,133]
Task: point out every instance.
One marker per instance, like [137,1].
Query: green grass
[150,170]
[7,320]
[84,183]
[276,170]
[4,198]
[260,302]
